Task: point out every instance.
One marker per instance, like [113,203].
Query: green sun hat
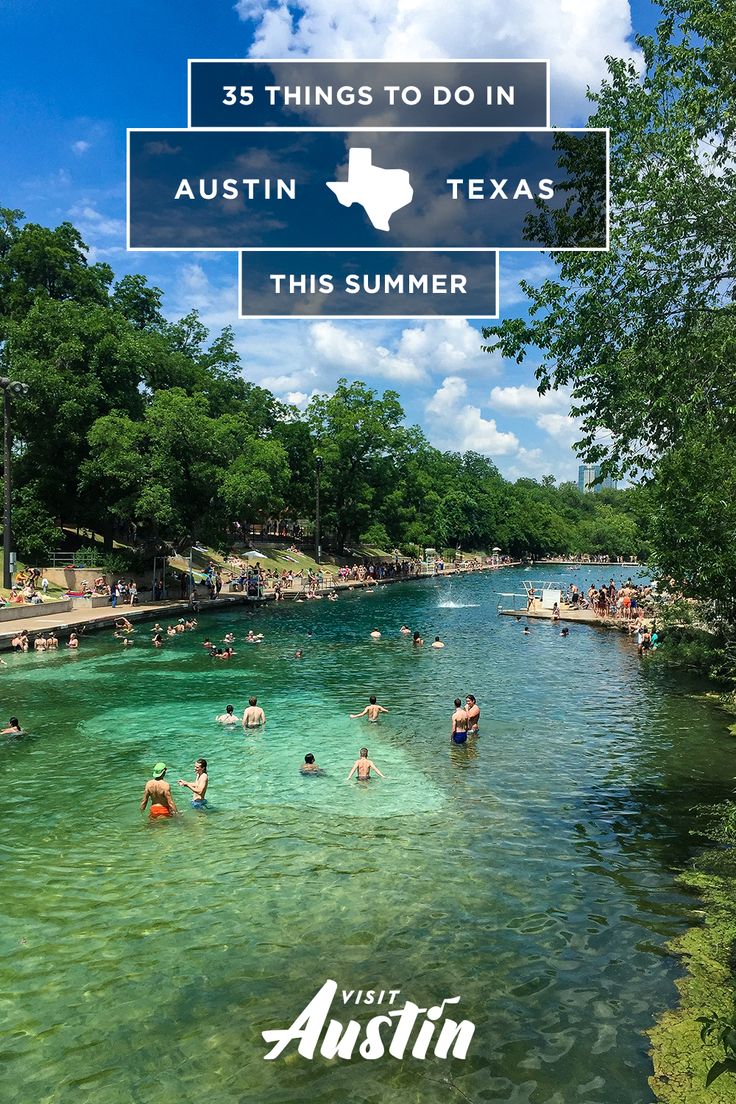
[158,770]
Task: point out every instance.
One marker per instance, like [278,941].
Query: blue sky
[74,76]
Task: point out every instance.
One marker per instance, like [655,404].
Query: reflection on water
[529,872]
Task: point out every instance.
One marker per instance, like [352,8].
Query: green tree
[645,335]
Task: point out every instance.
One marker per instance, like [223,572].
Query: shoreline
[86,622]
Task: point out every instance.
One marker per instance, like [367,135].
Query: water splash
[449,604]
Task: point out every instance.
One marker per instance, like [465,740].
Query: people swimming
[417,640]
[157,641]
[459,721]
[309,766]
[253,716]
[376,634]
[373,710]
[565,631]
[526,631]
[437,643]
[73,641]
[228,717]
[199,785]
[405,630]
[364,766]
[13,728]
[472,710]
[299,653]
[158,792]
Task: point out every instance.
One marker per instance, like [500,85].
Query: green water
[530,874]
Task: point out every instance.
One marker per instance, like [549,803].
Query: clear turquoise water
[531,874]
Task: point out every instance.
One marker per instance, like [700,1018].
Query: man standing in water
[253,717]
[459,730]
[363,767]
[472,710]
[199,785]
[158,792]
[372,709]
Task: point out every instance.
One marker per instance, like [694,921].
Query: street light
[10,387]
[318,464]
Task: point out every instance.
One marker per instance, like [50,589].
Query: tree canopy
[148,429]
[645,334]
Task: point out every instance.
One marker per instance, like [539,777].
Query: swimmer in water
[372,709]
[565,631]
[299,654]
[171,631]
[158,641]
[253,717]
[473,711]
[128,643]
[207,643]
[253,638]
[158,792]
[309,766]
[52,641]
[417,640]
[73,641]
[526,631]
[228,717]
[364,766]
[459,730]
[199,785]
[376,634]
[13,728]
[229,638]
[157,628]
[405,630]
[437,643]
[122,624]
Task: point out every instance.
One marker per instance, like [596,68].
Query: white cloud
[525,400]
[461,426]
[447,397]
[575,34]
[448,345]
[342,348]
[99,231]
[81,146]
[561,427]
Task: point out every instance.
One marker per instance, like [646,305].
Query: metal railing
[82,558]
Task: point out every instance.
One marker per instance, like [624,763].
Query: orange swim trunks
[160,811]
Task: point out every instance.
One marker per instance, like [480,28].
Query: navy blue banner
[299,92]
[401,284]
[305,189]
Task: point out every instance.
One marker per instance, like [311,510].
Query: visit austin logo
[390,1032]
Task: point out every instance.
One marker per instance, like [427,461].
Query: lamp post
[10,387]
[318,464]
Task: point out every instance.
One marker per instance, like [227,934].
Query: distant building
[587,475]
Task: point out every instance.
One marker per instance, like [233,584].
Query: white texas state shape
[381,192]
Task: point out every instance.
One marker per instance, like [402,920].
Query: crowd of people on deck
[30,588]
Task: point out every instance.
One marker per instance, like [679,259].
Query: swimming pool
[530,873]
